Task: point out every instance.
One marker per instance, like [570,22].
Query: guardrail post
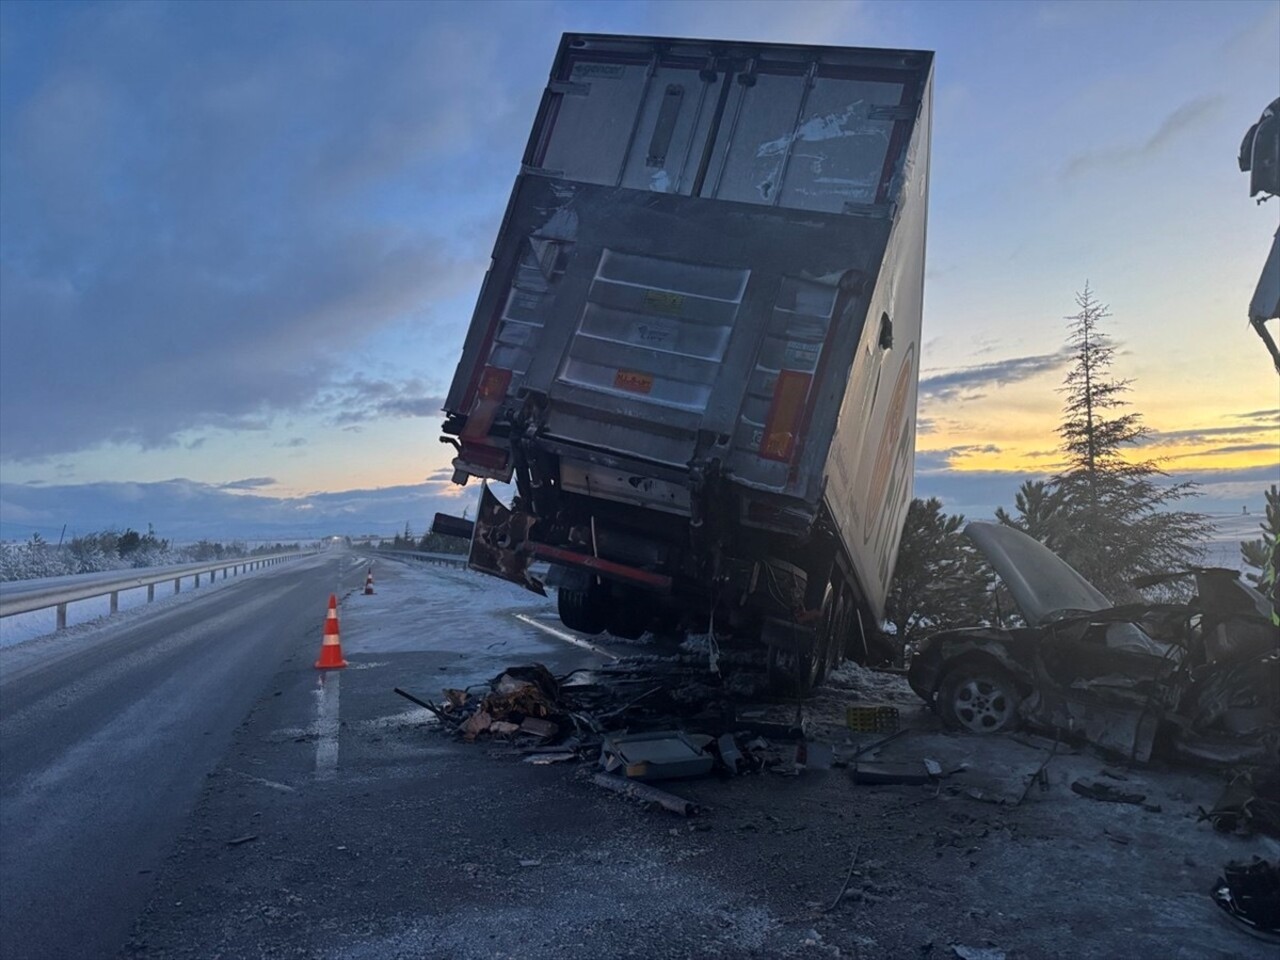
[62,616]
[151,592]
[177,584]
[115,601]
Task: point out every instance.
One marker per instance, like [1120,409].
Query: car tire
[979,698]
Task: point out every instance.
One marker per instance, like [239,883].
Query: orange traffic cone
[368,583]
[331,648]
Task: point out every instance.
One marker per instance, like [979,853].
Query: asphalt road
[107,737]
[288,812]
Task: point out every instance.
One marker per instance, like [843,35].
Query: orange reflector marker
[331,646]
[785,412]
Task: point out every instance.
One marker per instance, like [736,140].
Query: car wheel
[980,698]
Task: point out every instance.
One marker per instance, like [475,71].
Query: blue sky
[240,243]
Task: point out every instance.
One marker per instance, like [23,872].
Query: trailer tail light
[785,413]
[490,393]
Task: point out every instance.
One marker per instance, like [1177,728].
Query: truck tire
[582,610]
[798,674]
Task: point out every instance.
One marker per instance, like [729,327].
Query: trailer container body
[696,350]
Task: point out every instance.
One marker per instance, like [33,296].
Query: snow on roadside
[85,615]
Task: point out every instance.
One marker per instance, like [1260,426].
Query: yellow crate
[872,719]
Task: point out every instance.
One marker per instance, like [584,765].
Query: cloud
[1262,416]
[967,383]
[1234,448]
[249,483]
[1208,434]
[1184,118]
[182,509]
[200,224]
[932,460]
[359,399]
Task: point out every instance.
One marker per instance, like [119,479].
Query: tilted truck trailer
[697,347]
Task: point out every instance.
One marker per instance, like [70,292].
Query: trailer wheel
[582,610]
[627,619]
[795,673]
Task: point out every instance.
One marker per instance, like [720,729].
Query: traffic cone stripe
[331,645]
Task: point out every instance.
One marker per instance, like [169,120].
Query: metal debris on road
[646,793]
[1250,894]
[1250,803]
[660,755]
[1103,791]
[977,953]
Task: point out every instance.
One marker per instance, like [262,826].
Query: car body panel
[1207,672]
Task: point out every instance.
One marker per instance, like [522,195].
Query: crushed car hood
[1047,588]
[1044,586]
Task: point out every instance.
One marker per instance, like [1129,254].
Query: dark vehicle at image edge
[697,348]
[1200,680]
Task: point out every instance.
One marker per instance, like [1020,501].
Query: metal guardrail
[15,599]
[440,559]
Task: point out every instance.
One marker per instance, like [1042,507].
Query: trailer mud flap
[498,543]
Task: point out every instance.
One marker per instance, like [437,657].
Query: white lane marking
[326,727]
[566,637]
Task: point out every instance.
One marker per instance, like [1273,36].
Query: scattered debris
[1250,803]
[661,755]
[730,755]
[1250,893]
[542,759]
[239,840]
[853,862]
[646,794]
[422,703]
[976,953]
[910,772]
[1103,791]
[538,727]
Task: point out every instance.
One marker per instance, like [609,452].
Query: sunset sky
[240,243]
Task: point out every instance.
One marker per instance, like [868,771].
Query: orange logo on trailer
[634,382]
[895,425]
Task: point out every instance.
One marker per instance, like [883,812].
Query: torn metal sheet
[662,755]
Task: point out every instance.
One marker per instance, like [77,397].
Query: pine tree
[1040,512]
[1107,515]
[940,580]
[1257,553]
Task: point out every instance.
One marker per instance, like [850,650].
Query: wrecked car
[1200,679]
